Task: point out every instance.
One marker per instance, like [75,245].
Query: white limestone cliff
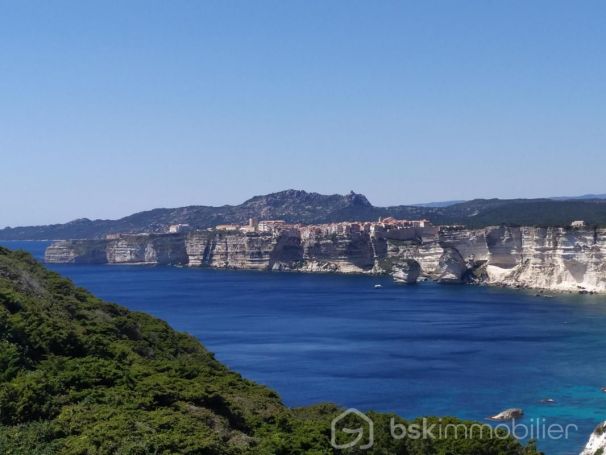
[597,441]
[555,259]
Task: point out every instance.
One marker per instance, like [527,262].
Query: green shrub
[81,376]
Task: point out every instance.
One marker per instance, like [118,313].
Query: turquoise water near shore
[414,350]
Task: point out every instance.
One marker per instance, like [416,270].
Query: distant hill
[523,212]
[584,196]
[556,198]
[438,204]
[302,207]
[82,376]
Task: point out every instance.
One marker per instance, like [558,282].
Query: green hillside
[82,376]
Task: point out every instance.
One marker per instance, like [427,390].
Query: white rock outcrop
[597,441]
[508,414]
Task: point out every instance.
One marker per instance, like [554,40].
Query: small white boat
[378,286]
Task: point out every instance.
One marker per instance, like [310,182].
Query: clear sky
[111,107]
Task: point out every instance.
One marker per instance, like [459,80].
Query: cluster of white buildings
[177,228]
[265,226]
[391,225]
[342,228]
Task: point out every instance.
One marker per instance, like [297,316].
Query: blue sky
[110,107]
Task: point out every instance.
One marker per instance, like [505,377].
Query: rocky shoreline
[550,259]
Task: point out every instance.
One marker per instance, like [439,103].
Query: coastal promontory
[567,259]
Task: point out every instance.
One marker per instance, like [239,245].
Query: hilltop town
[254,226]
[294,206]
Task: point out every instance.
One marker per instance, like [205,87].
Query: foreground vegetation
[82,376]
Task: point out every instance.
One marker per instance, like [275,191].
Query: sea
[420,350]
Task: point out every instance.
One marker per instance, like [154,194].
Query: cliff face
[550,258]
[547,258]
[77,252]
[163,249]
[346,253]
[151,249]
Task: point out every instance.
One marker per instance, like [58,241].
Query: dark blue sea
[418,350]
